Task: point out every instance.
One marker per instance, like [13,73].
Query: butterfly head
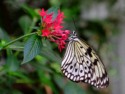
[73,36]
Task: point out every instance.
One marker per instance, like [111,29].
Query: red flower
[52,29]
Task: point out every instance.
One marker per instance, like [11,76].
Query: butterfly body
[81,64]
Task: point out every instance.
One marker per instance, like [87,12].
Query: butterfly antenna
[74,33]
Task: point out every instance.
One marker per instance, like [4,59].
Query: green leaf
[45,79]
[4,35]
[16,47]
[29,10]
[25,23]
[73,88]
[32,48]
[60,81]
[39,66]
[12,62]
[54,10]
[48,52]
[55,2]
[56,67]
[68,87]
[22,77]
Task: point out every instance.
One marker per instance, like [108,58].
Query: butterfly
[81,64]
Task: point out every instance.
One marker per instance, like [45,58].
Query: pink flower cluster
[52,28]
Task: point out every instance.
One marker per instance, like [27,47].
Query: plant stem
[11,42]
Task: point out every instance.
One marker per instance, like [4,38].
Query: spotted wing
[99,72]
[80,63]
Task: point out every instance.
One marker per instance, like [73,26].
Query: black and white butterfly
[81,64]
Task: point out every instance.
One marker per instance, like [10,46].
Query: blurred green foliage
[41,72]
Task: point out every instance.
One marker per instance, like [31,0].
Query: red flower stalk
[52,29]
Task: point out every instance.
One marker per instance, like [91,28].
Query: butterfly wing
[99,70]
[80,63]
